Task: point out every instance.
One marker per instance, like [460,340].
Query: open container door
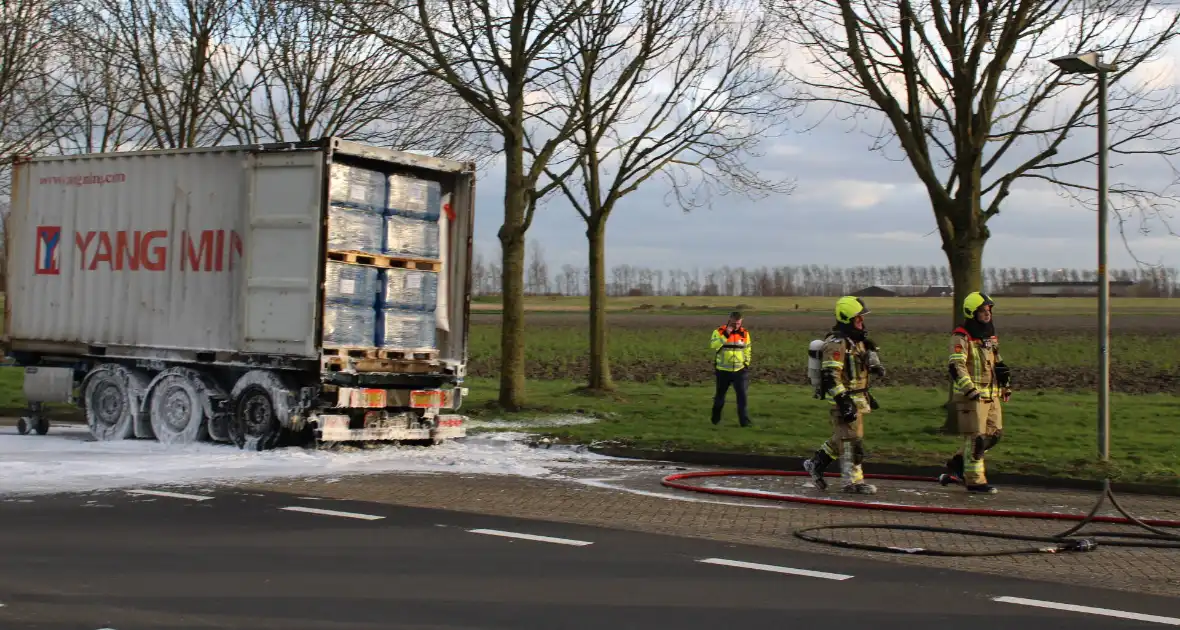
[282,253]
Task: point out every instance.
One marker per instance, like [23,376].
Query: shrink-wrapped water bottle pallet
[381,260]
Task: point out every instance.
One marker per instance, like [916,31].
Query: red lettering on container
[159,261]
[191,258]
[134,250]
[104,250]
[83,245]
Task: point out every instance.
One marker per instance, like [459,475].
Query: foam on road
[69,460]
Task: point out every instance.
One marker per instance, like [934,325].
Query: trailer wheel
[111,394]
[178,407]
[254,425]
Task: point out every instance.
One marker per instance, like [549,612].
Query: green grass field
[661,363]
[783,305]
[1044,433]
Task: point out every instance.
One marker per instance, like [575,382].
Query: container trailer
[258,295]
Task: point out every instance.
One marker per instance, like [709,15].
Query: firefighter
[731,366]
[981,382]
[848,357]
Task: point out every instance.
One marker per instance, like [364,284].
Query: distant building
[1118,288]
[903,290]
[875,291]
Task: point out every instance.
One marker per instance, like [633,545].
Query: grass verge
[1045,433]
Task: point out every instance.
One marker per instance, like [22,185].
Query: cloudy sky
[852,206]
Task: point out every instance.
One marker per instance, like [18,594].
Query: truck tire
[254,425]
[111,396]
[260,402]
[179,406]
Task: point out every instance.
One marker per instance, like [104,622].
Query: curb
[784,462]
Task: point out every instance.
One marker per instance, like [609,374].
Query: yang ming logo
[48,250]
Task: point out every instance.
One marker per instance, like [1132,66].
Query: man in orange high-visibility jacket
[731,365]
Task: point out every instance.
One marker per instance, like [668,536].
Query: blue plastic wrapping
[414,198]
[399,329]
[353,229]
[358,187]
[409,289]
[411,238]
[347,325]
[357,285]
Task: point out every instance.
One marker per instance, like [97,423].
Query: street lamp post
[1091,63]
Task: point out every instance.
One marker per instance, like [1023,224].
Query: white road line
[171,495]
[1169,621]
[364,517]
[775,569]
[548,539]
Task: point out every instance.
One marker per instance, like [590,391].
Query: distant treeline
[796,280]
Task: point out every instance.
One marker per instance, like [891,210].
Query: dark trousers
[740,381]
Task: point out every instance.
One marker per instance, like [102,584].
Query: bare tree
[685,89]
[184,59]
[104,112]
[966,89]
[308,77]
[29,103]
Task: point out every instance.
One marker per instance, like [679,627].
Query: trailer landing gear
[33,422]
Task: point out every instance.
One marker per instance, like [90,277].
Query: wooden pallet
[343,364]
[408,355]
[381,260]
[352,352]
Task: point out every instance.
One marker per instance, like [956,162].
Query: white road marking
[602,483]
[171,495]
[548,539]
[1169,621]
[364,517]
[775,569]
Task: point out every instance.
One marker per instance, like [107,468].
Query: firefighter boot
[954,471]
[816,465]
[851,455]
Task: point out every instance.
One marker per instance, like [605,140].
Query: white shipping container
[166,254]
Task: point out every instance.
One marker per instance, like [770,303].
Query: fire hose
[1065,541]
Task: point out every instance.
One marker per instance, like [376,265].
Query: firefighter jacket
[973,364]
[731,352]
[845,370]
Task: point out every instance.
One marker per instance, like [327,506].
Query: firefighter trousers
[981,423]
[846,446]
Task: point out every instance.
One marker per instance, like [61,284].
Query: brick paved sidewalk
[1154,571]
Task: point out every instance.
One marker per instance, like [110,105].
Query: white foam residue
[535,423]
[66,460]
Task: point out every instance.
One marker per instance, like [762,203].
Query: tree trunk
[512,247]
[966,261]
[600,379]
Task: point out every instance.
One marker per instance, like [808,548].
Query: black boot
[816,466]
[954,471]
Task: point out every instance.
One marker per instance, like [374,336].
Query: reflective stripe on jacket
[973,364]
[731,353]
[846,364]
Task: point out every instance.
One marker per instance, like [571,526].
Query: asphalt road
[126,561]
